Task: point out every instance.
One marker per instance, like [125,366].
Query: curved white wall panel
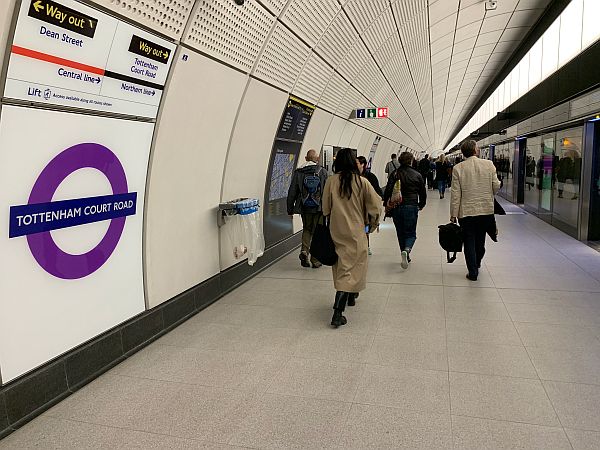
[6,10]
[186,174]
[366,142]
[167,17]
[334,133]
[347,134]
[216,30]
[357,137]
[250,149]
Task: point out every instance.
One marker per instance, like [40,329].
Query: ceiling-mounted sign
[65,53]
[370,113]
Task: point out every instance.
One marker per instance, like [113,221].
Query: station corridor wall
[212,139]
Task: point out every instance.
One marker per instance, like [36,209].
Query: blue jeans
[405,220]
[441,186]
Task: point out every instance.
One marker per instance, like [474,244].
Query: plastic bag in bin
[245,230]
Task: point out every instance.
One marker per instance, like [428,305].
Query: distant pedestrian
[351,203]
[305,198]
[392,165]
[474,185]
[414,199]
[441,174]
[425,170]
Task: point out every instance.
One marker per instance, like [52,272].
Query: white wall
[347,133]
[366,142]
[250,150]
[182,237]
[334,133]
[6,12]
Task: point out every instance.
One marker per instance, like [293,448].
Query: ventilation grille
[313,79]
[334,93]
[165,16]
[275,6]
[282,59]
[310,18]
[216,30]
[337,40]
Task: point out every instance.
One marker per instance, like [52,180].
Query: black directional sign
[61,16]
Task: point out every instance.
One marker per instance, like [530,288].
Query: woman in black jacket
[370,176]
[414,198]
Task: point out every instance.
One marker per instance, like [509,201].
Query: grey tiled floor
[428,359]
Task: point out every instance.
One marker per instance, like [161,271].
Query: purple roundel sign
[41,215]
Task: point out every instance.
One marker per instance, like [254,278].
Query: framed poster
[71,212]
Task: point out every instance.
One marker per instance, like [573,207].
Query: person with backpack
[392,165]
[304,198]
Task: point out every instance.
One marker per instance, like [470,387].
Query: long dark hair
[345,166]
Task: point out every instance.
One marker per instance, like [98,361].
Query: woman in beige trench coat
[351,204]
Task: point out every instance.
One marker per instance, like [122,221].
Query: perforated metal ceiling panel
[165,16]
[313,79]
[275,6]
[310,18]
[282,59]
[429,61]
[216,31]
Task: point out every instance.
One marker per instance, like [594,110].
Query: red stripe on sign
[56,60]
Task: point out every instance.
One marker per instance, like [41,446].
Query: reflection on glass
[567,176]
[547,173]
[532,175]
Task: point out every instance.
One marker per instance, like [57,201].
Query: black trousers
[474,229]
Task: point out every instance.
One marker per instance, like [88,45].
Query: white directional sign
[66,53]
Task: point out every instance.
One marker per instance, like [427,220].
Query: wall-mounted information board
[284,156]
[65,53]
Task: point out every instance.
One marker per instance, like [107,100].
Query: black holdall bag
[451,240]
[322,246]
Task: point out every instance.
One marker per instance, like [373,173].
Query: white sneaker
[404,263]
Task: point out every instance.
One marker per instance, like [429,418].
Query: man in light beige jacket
[474,185]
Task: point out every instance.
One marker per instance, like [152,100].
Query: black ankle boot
[338,308]
[352,298]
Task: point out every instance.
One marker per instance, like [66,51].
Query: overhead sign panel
[66,53]
[370,113]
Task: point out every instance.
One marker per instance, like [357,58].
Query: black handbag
[451,240]
[322,246]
